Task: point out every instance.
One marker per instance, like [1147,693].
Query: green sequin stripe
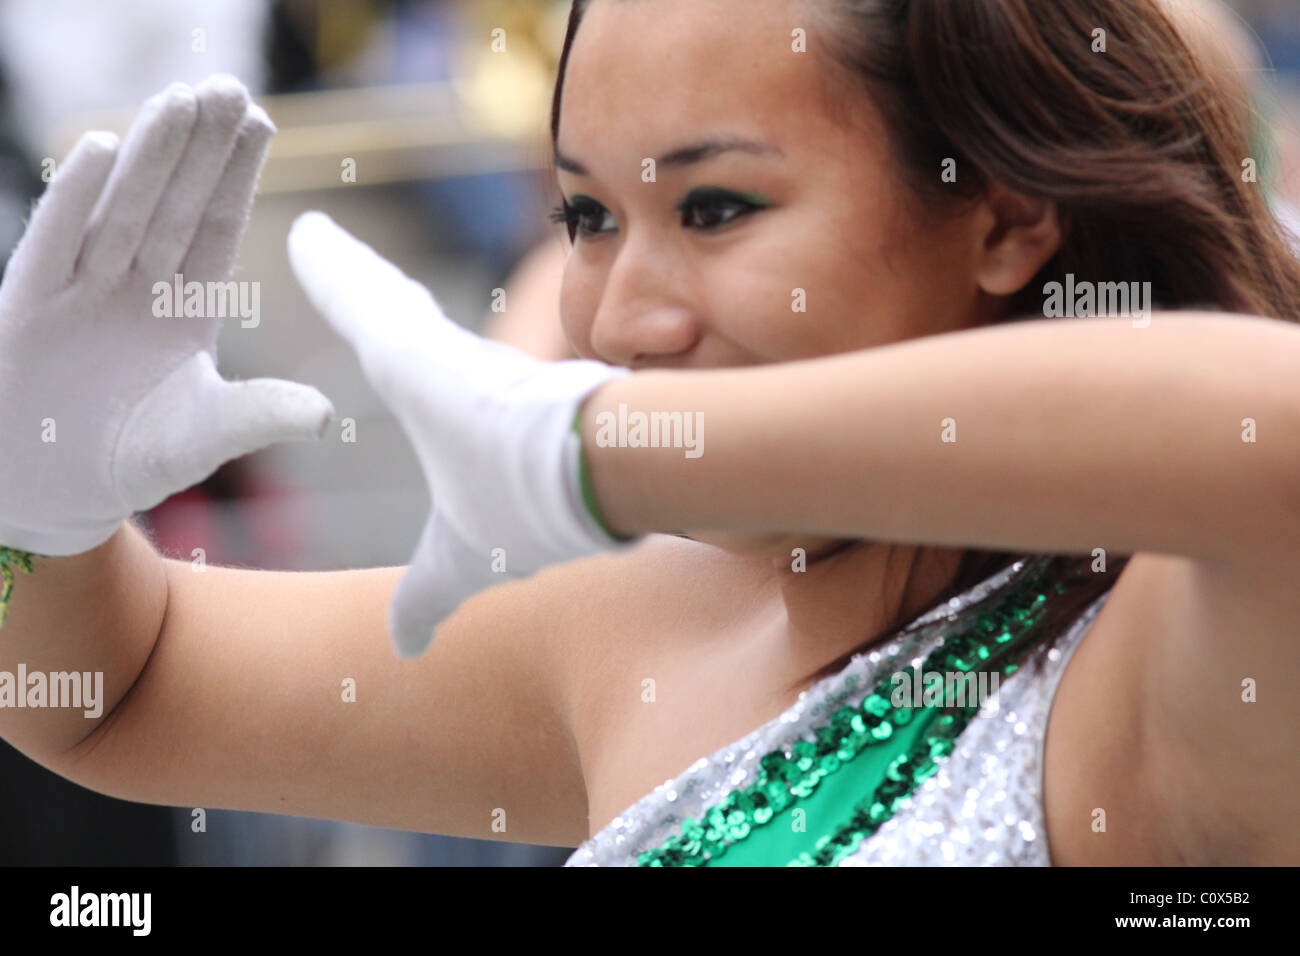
[908,771]
[11,558]
[993,638]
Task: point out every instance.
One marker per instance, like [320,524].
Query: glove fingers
[409,350]
[368,300]
[346,280]
[145,163]
[222,103]
[48,250]
[216,243]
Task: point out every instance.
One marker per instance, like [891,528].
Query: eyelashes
[702,210]
[561,214]
[566,214]
[577,216]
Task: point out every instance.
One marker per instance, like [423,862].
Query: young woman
[894,478]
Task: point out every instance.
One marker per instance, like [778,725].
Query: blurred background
[422,127]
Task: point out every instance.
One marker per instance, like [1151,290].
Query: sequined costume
[855,775]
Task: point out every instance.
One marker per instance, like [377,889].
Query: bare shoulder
[1174,717]
[614,609]
[1222,685]
[671,613]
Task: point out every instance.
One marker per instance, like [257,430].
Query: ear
[1017,235]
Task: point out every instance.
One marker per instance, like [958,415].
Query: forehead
[644,75]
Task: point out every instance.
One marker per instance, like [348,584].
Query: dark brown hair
[1139,147]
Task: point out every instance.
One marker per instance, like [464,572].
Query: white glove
[491,426]
[106,409]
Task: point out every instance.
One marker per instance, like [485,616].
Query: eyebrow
[686,155]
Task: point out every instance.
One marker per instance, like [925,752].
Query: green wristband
[11,558]
[584,480]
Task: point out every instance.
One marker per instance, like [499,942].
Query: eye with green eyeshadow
[708,207]
[703,209]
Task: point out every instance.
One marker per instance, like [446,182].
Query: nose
[644,317]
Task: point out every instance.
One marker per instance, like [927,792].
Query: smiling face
[758,191]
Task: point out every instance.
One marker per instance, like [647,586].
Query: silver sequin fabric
[983,806]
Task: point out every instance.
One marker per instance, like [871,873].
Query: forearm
[1069,436]
[94,613]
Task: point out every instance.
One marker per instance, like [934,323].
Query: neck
[852,591]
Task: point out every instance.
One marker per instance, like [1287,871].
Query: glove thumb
[263,411]
[441,576]
[194,421]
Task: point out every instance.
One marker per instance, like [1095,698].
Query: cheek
[807,287]
[927,282]
[862,286]
[871,280]
[748,298]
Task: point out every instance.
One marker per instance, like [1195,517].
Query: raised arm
[1055,436]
